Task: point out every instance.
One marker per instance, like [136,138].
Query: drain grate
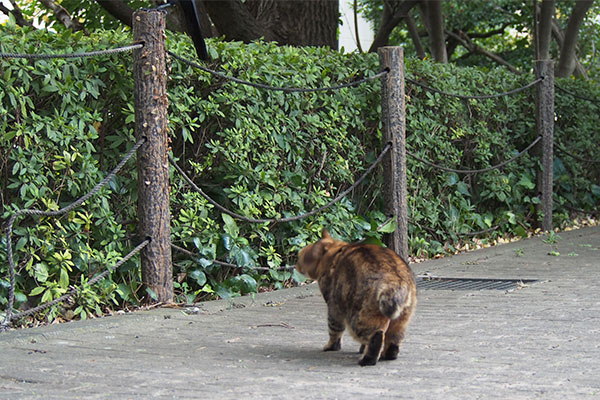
[439,283]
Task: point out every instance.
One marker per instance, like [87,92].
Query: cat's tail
[393,299]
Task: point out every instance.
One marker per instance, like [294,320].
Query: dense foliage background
[262,154]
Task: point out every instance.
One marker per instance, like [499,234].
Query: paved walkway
[539,341]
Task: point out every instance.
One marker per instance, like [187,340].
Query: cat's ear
[325,234]
[318,250]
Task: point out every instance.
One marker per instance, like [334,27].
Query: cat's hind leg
[395,334]
[369,330]
[373,349]
[336,331]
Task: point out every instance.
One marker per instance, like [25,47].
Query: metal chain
[475,97]
[274,88]
[77,203]
[72,55]
[474,171]
[387,147]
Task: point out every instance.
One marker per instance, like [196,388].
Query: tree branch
[466,42]
[16,12]
[355,9]
[393,13]
[414,35]
[431,11]
[484,35]
[63,16]
[568,57]
[545,29]
[559,36]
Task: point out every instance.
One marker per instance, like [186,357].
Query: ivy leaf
[526,182]
[198,276]
[298,277]
[249,283]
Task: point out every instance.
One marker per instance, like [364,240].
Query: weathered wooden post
[545,128]
[394,131]
[150,101]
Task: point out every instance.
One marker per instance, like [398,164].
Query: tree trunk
[117,9]
[434,23]
[568,58]
[393,13]
[559,36]
[290,22]
[298,22]
[233,20]
[414,35]
[545,29]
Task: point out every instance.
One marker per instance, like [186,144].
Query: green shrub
[259,153]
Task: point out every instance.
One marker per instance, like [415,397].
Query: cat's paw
[391,353]
[365,361]
[335,346]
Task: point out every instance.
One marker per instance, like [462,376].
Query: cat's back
[369,261]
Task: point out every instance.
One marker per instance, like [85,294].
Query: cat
[368,289]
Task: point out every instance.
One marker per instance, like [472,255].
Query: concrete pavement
[540,340]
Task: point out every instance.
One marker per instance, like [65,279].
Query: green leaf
[520,231]
[37,290]
[373,240]
[41,272]
[204,262]
[64,278]
[227,242]
[21,244]
[298,277]
[20,297]
[231,227]
[223,292]
[250,284]
[242,257]
[198,276]
[152,294]
[389,226]
[526,182]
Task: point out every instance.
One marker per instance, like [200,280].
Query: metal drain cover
[440,283]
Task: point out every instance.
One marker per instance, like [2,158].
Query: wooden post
[150,87]
[545,128]
[394,131]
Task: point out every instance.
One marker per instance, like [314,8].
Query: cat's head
[309,258]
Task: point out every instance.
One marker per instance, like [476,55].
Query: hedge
[259,153]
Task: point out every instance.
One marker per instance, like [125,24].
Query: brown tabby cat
[368,289]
